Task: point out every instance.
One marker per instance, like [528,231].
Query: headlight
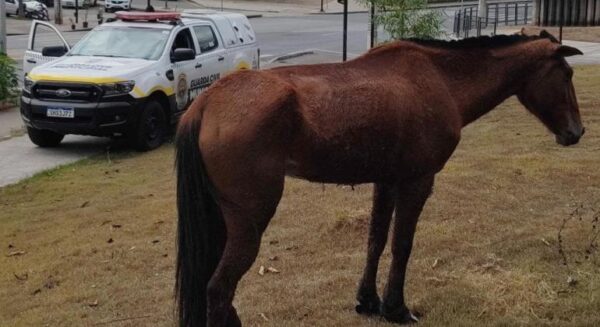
[27,84]
[119,88]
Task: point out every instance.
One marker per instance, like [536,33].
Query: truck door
[211,63]
[45,44]
[184,71]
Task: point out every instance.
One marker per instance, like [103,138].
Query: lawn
[506,239]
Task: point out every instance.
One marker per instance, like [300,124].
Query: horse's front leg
[410,199]
[381,214]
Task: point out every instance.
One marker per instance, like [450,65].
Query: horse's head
[549,94]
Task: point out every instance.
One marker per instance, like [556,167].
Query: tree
[8,80]
[407,18]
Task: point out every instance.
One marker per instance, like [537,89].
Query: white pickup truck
[131,77]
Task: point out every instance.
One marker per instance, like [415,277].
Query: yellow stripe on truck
[63,78]
[243,65]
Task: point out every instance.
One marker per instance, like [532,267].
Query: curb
[340,12]
[291,55]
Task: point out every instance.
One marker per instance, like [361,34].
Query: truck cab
[131,77]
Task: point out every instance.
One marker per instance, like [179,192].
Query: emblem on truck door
[182,94]
[63,93]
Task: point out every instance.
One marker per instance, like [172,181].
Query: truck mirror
[55,51]
[183,54]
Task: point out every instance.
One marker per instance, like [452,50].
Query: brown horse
[391,117]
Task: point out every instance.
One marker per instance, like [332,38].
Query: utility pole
[57,13]
[345,49]
[2,27]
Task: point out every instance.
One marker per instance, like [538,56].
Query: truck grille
[66,92]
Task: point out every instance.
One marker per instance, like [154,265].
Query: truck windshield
[123,42]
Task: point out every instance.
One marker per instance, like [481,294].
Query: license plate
[60,112]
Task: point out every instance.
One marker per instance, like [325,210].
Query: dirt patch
[97,238]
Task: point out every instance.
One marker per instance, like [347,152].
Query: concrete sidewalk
[21,159]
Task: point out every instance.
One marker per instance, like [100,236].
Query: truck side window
[183,40]
[45,36]
[206,38]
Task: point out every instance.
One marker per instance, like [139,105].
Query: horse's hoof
[368,307]
[403,317]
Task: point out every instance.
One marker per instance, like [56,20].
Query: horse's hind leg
[410,199]
[381,214]
[247,211]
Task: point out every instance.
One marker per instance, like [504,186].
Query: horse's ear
[545,35]
[567,51]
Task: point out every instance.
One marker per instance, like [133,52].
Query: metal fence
[467,22]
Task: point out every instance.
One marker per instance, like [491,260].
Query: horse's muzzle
[569,137]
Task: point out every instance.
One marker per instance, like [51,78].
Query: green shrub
[8,79]
[407,18]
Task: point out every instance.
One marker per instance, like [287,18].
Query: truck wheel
[44,138]
[151,129]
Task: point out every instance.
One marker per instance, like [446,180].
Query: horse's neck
[484,83]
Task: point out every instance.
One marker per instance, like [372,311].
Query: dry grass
[587,33]
[99,238]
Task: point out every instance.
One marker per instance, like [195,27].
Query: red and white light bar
[147,16]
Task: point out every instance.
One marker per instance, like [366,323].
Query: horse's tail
[200,229]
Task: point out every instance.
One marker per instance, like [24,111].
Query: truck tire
[44,138]
[151,129]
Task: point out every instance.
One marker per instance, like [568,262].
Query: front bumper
[104,118]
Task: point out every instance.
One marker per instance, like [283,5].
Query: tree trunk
[21,9]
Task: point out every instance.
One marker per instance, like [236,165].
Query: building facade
[567,12]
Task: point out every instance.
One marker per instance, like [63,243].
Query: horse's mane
[482,42]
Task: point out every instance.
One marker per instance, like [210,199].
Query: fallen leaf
[262,315]
[116,225]
[110,240]
[15,253]
[155,241]
[85,204]
[261,270]
[571,281]
[273,270]
[93,304]
[22,277]
[37,291]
